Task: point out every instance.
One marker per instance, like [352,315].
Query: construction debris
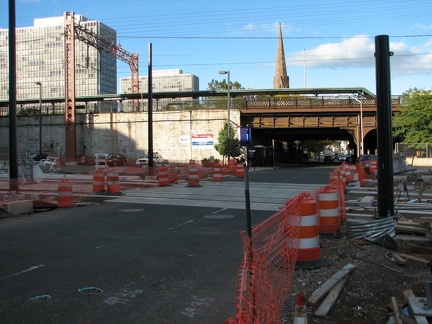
[330,284]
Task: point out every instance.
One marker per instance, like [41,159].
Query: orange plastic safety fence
[266,271]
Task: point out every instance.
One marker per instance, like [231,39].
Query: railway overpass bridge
[282,118]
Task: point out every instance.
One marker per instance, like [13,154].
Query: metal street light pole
[229,109]
[360,152]
[40,115]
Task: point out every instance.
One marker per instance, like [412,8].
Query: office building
[173,80]
[40,60]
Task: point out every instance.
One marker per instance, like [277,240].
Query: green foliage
[413,124]
[223,85]
[223,143]
[221,102]
[28,112]
[318,146]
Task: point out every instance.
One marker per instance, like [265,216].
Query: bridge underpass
[288,141]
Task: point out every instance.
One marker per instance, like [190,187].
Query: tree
[222,85]
[221,102]
[223,143]
[413,124]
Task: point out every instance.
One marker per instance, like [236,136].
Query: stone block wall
[125,133]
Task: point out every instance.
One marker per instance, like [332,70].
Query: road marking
[24,271]
[220,210]
[181,224]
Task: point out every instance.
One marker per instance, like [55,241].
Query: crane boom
[73,31]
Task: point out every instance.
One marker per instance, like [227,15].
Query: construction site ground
[383,271]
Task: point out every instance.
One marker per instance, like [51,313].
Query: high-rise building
[281,79]
[164,81]
[172,80]
[40,60]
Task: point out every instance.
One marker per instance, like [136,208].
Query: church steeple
[280,79]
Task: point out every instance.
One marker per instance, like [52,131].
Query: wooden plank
[419,318]
[398,258]
[411,229]
[420,261]
[319,294]
[415,249]
[330,299]
[396,312]
[412,238]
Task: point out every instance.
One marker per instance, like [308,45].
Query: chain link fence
[419,150]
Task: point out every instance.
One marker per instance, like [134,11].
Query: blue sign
[245,136]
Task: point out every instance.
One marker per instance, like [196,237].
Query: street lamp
[40,115]
[361,124]
[229,108]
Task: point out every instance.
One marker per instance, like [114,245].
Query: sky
[327,43]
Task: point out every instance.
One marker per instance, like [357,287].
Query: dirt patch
[366,296]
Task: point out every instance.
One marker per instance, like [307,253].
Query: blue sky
[331,40]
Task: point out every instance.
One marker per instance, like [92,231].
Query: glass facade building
[40,58]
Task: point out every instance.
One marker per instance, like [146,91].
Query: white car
[157,160]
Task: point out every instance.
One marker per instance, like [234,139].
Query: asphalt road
[134,261]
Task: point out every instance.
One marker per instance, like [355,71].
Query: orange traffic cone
[300,313]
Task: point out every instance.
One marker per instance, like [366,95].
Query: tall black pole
[150,110]
[13,152]
[385,139]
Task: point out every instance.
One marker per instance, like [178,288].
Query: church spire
[280,79]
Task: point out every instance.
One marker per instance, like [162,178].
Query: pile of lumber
[415,311]
[329,291]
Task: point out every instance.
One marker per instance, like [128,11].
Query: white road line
[220,210]
[24,271]
[190,221]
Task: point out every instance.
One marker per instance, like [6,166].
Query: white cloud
[273,28]
[420,27]
[358,52]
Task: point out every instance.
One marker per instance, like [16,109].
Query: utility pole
[385,139]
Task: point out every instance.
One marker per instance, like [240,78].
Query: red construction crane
[72,32]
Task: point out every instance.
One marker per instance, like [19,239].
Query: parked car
[157,160]
[342,157]
[328,158]
[115,159]
[38,156]
[367,157]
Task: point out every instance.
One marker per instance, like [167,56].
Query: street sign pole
[247,195]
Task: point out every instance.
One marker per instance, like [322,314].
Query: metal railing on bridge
[126,106]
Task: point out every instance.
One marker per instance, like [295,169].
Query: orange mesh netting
[266,271]
[270,254]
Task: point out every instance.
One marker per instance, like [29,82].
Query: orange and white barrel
[98,181]
[163,176]
[217,172]
[65,194]
[309,247]
[348,175]
[240,170]
[113,182]
[232,166]
[373,167]
[362,175]
[342,176]
[193,177]
[329,211]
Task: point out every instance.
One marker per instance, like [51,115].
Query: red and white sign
[202,141]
